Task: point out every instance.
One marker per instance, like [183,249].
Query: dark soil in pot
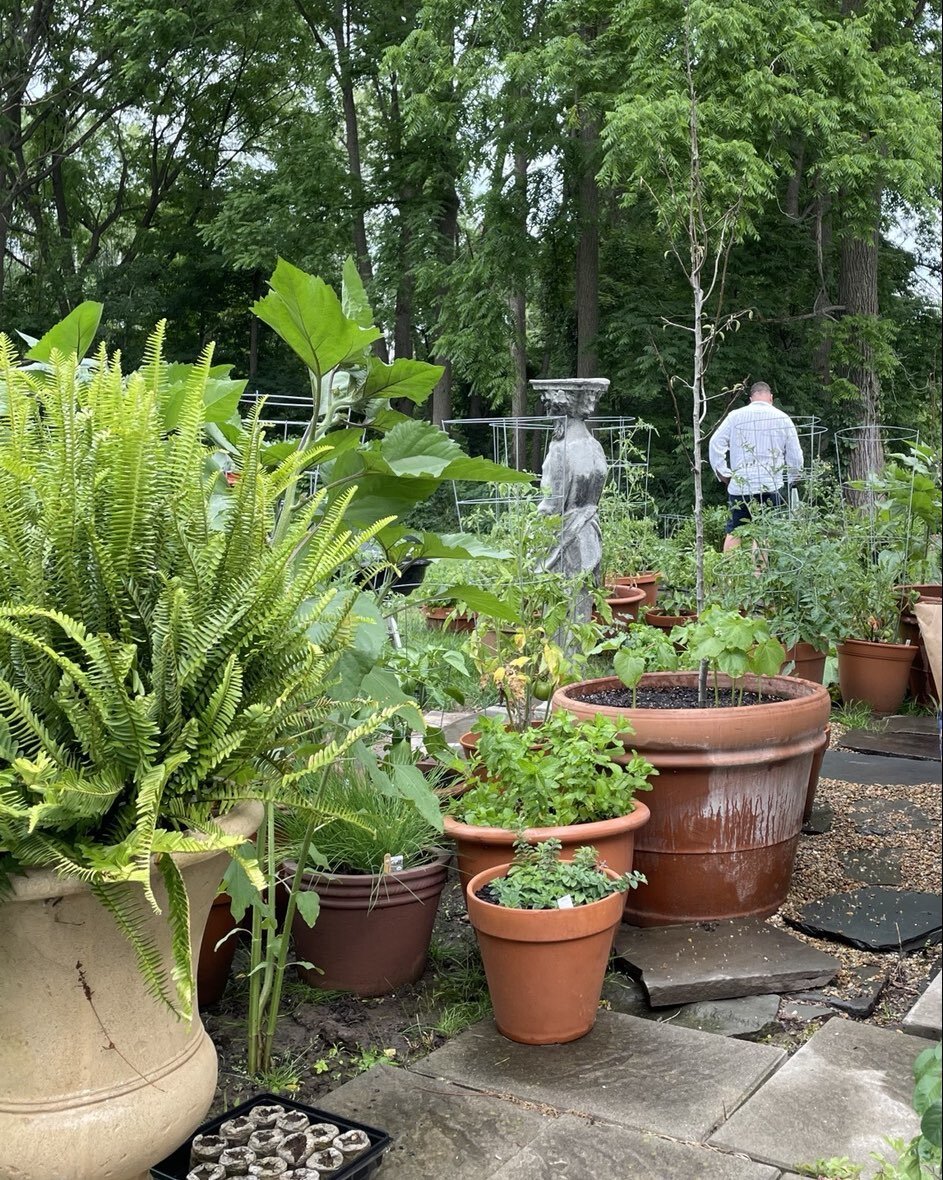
[677,697]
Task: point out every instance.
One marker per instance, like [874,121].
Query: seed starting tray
[176,1165]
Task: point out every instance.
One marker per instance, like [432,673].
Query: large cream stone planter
[97,1080]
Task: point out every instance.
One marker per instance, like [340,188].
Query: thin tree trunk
[518,308]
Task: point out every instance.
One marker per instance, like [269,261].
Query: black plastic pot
[405,582]
[177,1164]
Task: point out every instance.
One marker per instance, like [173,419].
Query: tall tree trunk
[254,327]
[858,293]
[448,237]
[517,302]
[587,250]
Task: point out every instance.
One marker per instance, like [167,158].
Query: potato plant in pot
[372,883]
[154,668]
[545,926]
[733,769]
[566,781]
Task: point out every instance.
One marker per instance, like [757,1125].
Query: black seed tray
[177,1164]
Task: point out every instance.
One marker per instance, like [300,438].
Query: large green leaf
[473,467]
[308,316]
[354,299]
[482,601]
[74,334]
[403,378]
[418,448]
[220,394]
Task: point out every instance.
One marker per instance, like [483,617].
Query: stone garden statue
[572,480]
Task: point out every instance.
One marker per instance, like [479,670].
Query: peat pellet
[304,1173]
[207,1172]
[236,1131]
[265,1141]
[271,1168]
[267,1116]
[327,1161]
[206,1149]
[293,1121]
[295,1149]
[323,1134]
[352,1142]
[236,1160]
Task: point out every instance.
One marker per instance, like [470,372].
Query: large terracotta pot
[480,848]
[545,968]
[814,774]
[372,933]
[97,1080]
[874,673]
[727,805]
[920,682]
[809,662]
[215,963]
[647,581]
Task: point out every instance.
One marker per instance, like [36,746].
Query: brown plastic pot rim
[646,578]
[585,833]
[321,880]
[566,925]
[628,595]
[878,650]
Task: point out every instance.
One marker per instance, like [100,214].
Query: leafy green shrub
[538,879]
[564,772]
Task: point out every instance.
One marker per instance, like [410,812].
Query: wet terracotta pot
[96,1078]
[727,805]
[809,662]
[215,965]
[814,773]
[480,848]
[875,673]
[373,931]
[445,618]
[545,968]
[647,581]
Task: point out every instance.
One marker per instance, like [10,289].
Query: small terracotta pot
[874,673]
[445,617]
[545,968]
[809,662]
[372,933]
[480,848]
[668,622]
[624,604]
[647,581]
[214,966]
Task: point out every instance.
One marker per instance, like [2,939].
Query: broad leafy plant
[731,644]
[155,659]
[538,879]
[562,773]
[643,649]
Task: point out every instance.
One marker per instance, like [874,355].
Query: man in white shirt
[754,452]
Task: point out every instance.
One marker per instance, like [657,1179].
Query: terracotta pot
[480,848]
[814,773]
[373,931]
[445,617]
[647,581]
[874,673]
[809,662]
[214,966]
[728,800]
[489,639]
[624,605]
[469,741]
[96,1078]
[545,968]
[920,684]
[667,622]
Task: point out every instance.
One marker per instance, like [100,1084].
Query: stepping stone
[820,821]
[846,1089]
[913,723]
[718,961]
[887,817]
[899,745]
[873,866]
[875,918]
[574,1149]
[871,770]
[747,1018]
[637,1073]
[437,1129]
[923,1019]
[797,1010]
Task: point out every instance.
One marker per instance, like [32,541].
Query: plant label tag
[565,902]
[395,864]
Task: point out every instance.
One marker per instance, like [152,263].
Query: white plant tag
[565,902]
[396,864]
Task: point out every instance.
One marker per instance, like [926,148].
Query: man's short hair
[760,387]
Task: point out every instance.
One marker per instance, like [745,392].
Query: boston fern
[155,664]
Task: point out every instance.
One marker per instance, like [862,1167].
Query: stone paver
[846,1089]
[718,961]
[749,1017]
[573,1149]
[439,1131]
[888,817]
[924,1018]
[820,820]
[873,866]
[898,744]
[654,1077]
[875,918]
[877,770]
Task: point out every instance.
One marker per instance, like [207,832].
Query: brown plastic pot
[214,965]
[624,604]
[667,622]
[809,662]
[545,968]
[874,673]
[373,931]
[480,848]
[727,805]
[445,618]
[647,581]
